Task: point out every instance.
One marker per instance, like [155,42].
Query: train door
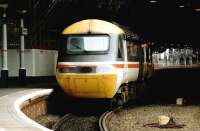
[141,63]
[122,56]
[133,52]
[126,61]
[133,57]
[149,61]
[145,64]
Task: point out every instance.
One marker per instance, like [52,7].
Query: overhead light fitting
[197,9]
[4,6]
[181,6]
[153,1]
[21,11]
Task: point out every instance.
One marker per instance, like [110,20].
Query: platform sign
[25,31]
[21,31]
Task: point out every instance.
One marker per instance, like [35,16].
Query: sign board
[23,31]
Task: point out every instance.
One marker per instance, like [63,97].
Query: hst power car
[99,59]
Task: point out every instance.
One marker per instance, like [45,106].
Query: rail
[105,117]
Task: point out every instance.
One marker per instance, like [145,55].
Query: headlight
[77,70]
[105,69]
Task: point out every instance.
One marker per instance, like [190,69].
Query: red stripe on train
[124,65]
[91,65]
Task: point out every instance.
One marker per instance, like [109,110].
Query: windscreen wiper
[78,47]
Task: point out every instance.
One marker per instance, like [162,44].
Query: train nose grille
[78,70]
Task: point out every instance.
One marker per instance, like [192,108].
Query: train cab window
[93,43]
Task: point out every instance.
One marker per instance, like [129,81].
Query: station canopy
[161,21]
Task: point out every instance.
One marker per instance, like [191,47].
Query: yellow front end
[91,85]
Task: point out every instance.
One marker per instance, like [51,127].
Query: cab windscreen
[88,44]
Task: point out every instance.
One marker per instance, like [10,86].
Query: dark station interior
[170,25]
[163,22]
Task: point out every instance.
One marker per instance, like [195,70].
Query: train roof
[93,26]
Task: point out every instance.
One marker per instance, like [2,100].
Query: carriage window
[88,43]
[120,52]
[132,51]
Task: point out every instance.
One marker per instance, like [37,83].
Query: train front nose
[88,85]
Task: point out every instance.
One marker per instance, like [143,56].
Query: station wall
[38,62]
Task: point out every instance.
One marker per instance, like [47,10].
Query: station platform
[11,100]
[164,66]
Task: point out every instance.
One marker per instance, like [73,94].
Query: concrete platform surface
[6,91]
[11,117]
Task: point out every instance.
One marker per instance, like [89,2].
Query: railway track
[130,118]
[102,121]
[72,122]
[135,116]
[105,118]
[145,118]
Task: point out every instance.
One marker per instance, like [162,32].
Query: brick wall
[35,108]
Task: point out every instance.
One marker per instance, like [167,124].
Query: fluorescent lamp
[197,9]
[181,6]
[4,6]
[153,1]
